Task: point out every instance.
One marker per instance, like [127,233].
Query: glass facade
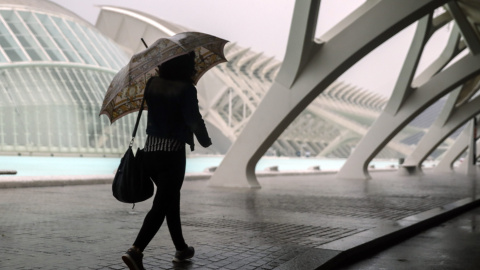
[54,72]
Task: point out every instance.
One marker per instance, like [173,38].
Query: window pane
[51,81]
[87,43]
[58,38]
[113,54]
[11,47]
[3,59]
[26,39]
[15,87]
[34,55]
[15,56]
[74,41]
[42,36]
[85,86]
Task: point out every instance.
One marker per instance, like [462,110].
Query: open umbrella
[125,93]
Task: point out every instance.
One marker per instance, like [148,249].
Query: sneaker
[133,259]
[182,255]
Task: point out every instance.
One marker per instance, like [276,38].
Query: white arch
[308,69]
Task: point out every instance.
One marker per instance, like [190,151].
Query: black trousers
[167,170]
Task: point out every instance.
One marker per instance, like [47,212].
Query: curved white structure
[229,94]
[54,69]
[310,67]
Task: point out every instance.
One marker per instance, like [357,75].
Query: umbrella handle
[146,46]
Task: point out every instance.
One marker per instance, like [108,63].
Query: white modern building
[55,68]
[330,127]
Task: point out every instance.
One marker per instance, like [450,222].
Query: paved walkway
[452,245]
[293,222]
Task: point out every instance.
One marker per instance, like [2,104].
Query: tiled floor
[84,227]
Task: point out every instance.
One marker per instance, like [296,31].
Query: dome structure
[54,70]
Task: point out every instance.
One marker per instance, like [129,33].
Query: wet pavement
[293,222]
[454,244]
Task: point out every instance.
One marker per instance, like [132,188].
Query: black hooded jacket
[173,112]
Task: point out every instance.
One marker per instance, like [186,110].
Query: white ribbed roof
[41,5]
[43,32]
[165,26]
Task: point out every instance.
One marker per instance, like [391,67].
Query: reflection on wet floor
[454,244]
[470,224]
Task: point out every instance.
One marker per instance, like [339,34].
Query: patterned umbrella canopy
[125,93]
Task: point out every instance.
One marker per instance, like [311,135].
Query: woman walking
[173,119]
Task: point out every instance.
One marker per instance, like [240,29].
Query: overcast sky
[263,26]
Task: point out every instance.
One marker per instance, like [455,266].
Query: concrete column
[472,150]
[388,125]
[360,158]
[468,166]
[438,133]
[453,153]
[431,139]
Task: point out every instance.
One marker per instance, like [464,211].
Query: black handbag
[131,183]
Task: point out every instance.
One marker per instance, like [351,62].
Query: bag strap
[139,113]
[138,121]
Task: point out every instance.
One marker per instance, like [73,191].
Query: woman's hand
[206,143]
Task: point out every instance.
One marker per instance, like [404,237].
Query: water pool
[44,166]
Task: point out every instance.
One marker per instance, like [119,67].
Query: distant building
[54,70]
